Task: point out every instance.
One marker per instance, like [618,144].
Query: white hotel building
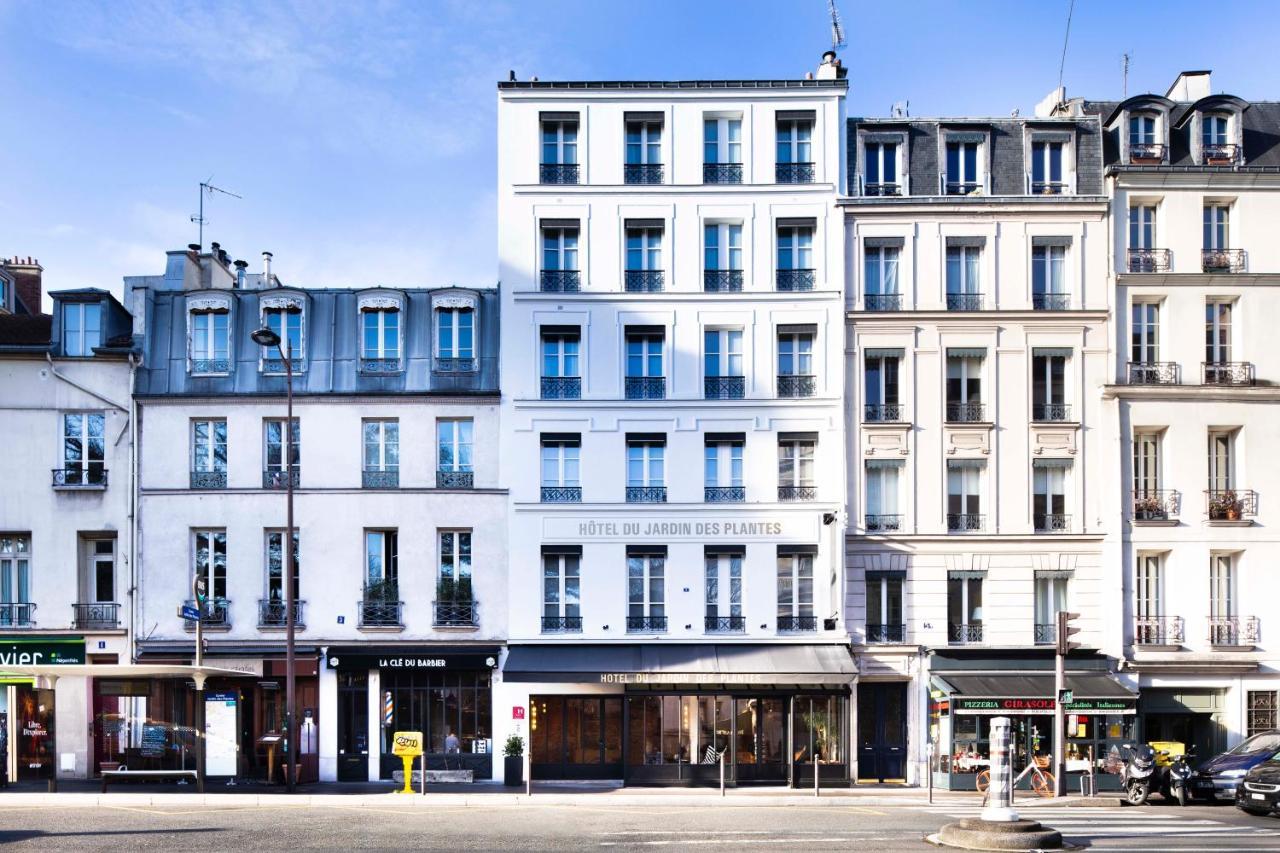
[672,266]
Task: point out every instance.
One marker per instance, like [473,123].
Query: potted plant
[1148,507]
[1224,505]
[513,761]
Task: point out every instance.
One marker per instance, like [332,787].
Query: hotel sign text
[800,529]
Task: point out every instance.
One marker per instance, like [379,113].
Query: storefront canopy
[682,663]
[123,670]
[1007,692]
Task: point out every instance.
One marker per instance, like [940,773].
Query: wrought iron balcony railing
[962,634]
[797,385]
[210,365]
[1049,187]
[878,413]
[456,614]
[724,387]
[1158,631]
[966,413]
[562,387]
[277,367]
[793,173]
[644,281]
[380,478]
[642,173]
[208,479]
[1051,301]
[560,281]
[1227,373]
[645,387]
[959,522]
[278,478]
[95,616]
[1155,504]
[722,281]
[644,624]
[454,365]
[724,494]
[964,301]
[92,476]
[790,624]
[882,301]
[215,614]
[379,612]
[1231,504]
[1153,373]
[562,494]
[1050,412]
[272,613]
[17,614]
[724,624]
[646,494]
[960,187]
[558,173]
[1146,153]
[882,523]
[380,366]
[1046,634]
[797,493]
[454,479]
[794,280]
[1234,630]
[1052,522]
[1222,260]
[1148,260]
[886,633]
[722,173]
[561,624]
[882,188]
[1220,154]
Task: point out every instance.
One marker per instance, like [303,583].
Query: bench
[110,775]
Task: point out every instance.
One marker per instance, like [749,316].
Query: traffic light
[1064,631]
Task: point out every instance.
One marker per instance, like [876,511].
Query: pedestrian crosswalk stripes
[1105,822]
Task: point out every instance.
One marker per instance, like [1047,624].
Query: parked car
[1220,776]
[1259,790]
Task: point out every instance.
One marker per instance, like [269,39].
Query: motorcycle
[1176,779]
[1135,776]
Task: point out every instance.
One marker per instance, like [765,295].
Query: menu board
[221,747]
[154,741]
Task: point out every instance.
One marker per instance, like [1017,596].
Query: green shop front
[28,708]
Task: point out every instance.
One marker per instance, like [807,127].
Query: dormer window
[455,339]
[380,346]
[880,175]
[964,173]
[209,339]
[1216,147]
[1145,148]
[284,316]
[1048,166]
[81,328]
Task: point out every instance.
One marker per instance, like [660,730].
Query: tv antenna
[1127,57]
[837,28]
[198,218]
[1065,38]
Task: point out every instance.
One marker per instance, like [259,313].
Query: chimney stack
[27,284]
[266,269]
[830,68]
[240,268]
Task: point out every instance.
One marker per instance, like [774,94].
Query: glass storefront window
[816,729]
[437,703]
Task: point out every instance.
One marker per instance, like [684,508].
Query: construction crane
[837,28]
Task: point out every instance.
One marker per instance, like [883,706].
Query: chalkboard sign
[154,741]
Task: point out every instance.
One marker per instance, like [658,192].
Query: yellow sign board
[407,744]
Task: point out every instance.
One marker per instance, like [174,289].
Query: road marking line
[706,841]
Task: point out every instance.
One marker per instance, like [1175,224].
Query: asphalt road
[603,828]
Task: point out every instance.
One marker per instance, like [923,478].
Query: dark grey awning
[682,663]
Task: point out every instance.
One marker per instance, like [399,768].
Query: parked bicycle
[1041,778]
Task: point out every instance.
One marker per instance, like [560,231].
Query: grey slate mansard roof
[840,83]
[331,343]
[1260,125]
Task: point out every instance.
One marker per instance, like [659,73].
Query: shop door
[882,731]
[353,727]
[576,737]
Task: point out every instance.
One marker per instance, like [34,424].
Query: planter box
[513,770]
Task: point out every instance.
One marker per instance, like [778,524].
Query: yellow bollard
[408,774]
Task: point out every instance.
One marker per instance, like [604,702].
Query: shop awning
[682,663]
[124,670]
[1032,693]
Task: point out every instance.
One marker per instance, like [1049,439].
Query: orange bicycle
[1041,779]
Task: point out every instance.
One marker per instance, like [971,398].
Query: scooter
[1176,779]
[1135,776]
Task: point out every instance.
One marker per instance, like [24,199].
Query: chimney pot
[266,269]
[195,247]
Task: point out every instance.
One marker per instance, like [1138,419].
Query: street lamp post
[268,338]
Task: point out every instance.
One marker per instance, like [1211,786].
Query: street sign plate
[1066,697]
[200,588]
[191,614]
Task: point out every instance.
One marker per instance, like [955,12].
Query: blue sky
[362,136]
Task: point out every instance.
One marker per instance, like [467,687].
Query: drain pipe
[134,456]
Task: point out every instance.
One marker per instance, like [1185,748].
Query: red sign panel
[517,712]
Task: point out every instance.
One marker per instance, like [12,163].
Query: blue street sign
[191,614]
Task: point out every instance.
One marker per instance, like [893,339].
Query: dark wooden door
[882,731]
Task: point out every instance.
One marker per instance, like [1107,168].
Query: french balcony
[1050,412]
[1046,633]
[646,494]
[1153,373]
[558,173]
[791,494]
[279,479]
[1231,504]
[642,173]
[562,387]
[795,280]
[1146,153]
[455,614]
[208,479]
[17,614]
[964,301]
[722,173]
[1233,631]
[964,633]
[793,173]
[722,281]
[882,301]
[562,624]
[272,613]
[1220,154]
[644,281]
[95,616]
[380,478]
[1158,631]
[882,634]
[1052,522]
[882,188]
[724,624]
[882,413]
[797,385]
[215,615]
[91,477]
[646,624]
[562,494]
[1050,187]
[455,479]
[380,607]
[724,387]
[882,523]
[960,187]
[1227,373]
[1148,260]
[454,365]
[277,367]
[560,281]
[965,522]
[1222,260]
[724,494]
[797,624]
[210,366]
[1051,301]
[966,413]
[380,366]
[645,387]
[1155,504]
